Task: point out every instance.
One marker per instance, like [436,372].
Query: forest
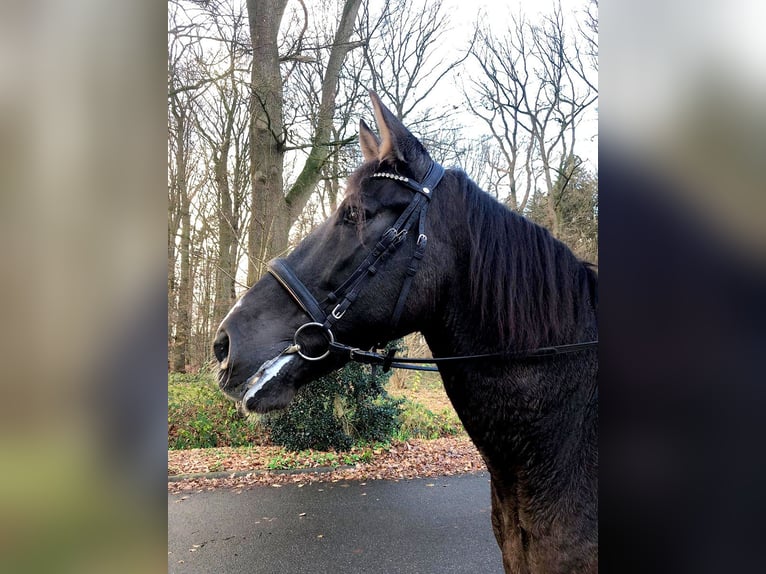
[264,103]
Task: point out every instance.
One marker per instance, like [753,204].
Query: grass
[312,458]
[199,416]
[427,412]
[425,388]
[417,421]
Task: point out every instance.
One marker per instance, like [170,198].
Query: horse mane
[526,285]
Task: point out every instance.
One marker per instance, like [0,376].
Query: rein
[342,297]
[416,363]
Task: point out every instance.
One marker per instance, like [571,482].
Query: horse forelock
[353,196]
[354,181]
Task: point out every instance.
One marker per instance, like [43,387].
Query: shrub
[339,410]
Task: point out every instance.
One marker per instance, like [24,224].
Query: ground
[416,458]
[266,465]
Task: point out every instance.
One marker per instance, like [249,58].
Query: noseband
[326,314]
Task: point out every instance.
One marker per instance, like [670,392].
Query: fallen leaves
[416,458]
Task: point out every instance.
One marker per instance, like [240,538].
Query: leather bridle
[326,314]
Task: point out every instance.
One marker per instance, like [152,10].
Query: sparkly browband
[391,176]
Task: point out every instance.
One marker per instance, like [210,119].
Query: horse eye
[353,215]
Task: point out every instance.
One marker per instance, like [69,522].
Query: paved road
[423,526]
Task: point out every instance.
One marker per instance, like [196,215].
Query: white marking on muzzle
[268,371]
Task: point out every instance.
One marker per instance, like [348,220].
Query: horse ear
[397,142]
[368,141]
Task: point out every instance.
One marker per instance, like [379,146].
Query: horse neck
[535,429]
[518,395]
[526,417]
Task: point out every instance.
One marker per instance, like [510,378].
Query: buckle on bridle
[336,313]
[325,332]
[393,236]
[389,235]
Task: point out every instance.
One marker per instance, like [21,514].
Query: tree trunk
[179,212]
[183,317]
[550,204]
[320,150]
[274,211]
[172,230]
[271,215]
[226,268]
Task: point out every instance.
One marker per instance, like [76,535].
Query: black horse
[475,279]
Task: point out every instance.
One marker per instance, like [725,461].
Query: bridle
[326,314]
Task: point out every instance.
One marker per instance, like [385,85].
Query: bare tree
[406,64]
[303,93]
[532,95]
[274,208]
[181,189]
[589,32]
[180,192]
[228,73]
[222,123]
[403,52]
[400,57]
[208,174]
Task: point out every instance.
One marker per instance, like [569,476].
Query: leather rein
[342,298]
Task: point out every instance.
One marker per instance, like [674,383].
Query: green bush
[344,408]
[199,416]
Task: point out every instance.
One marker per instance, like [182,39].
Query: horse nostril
[221,348]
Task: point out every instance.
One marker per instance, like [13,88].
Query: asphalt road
[424,526]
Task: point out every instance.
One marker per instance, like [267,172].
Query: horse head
[350,280]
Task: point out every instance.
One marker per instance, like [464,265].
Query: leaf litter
[416,458]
